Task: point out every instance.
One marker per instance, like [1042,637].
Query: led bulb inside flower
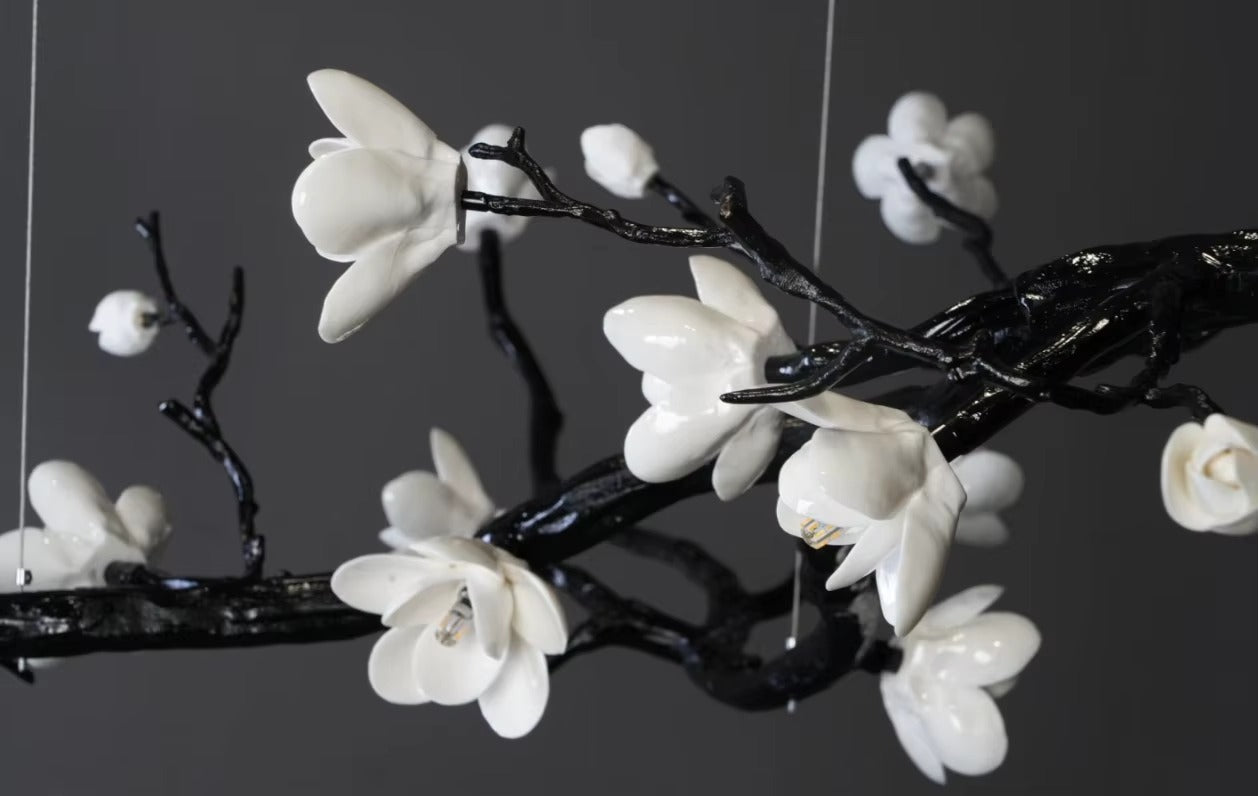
[455,623]
[817,534]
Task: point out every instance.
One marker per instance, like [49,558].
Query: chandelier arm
[545,418]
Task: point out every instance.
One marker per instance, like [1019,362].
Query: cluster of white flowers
[470,622]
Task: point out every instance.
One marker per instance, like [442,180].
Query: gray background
[1117,121]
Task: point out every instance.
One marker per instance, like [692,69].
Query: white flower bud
[126,322]
[618,159]
[1210,476]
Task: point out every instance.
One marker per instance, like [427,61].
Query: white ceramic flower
[618,159]
[690,352]
[497,178]
[83,531]
[1210,476]
[386,197]
[873,479]
[126,321]
[951,155]
[956,660]
[993,483]
[467,622]
[422,505]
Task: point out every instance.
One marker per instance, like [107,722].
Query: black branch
[978,235]
[545,419]
[200,421]
[1000,353]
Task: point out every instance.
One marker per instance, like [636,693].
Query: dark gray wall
[1117,121]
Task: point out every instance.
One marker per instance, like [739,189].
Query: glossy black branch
[556,203]
[714,653]
[690,211]
[200,422]
[545,419]
[978,235]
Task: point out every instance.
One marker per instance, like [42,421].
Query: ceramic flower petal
[377,583]
[662,445]
[538,618]
[959,609]
[855,471]
[986,650]
[970,137]
[907,218]
[373,281]
[326,146]
[917,116]
[675,337]
[457,550]
[372,118]
[871,166]
[427,605]
[391,667]
[142,510]
[747,454]
[913,572]
[457,674]
[966,728]
[73,504]
[982,530]
[910,730]
[455,468]
[516,700]
[873,546]
[726,289]
[992,481]
[383,185]
[492,609]
[420,506]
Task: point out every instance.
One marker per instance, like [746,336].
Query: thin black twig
[978,235]
[556,203]
[690,211]
[545,419]
[200,422]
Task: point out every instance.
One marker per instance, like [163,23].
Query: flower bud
[127,322]
[618,159]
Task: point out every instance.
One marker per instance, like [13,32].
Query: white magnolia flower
[497,178]
[993,483]
[126,321]
[422,505]
[1210,476]
[690,352]
[951,156]
[940,702]
[467,622]
[83,531]
[873,479]
[618,159]
[386,198]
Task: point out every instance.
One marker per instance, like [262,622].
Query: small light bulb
[817,534]
[456,621]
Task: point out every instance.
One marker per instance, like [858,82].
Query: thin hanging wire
[818,212]
[23,576]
